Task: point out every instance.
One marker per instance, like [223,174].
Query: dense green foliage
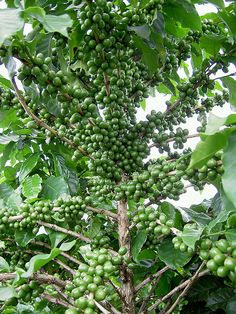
[86,219]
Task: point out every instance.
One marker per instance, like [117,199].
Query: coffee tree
[86,215]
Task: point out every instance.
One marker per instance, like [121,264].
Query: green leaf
[10,173]
[193,215]
[221,217]
[10,23]
[230,20]
[219,298]
[31,186]
[230,234]
[191,235]
[5,83]
[146,255]
[7,117]
[231,306]
[23,237]
[230,83]
[207,148]
[219,3]
[4,266]
[143,31]
[149,55]
[9,196]
[138,243]
[28,166]
[171,213]
[212,43]
[184,12]
[6,139]
[67,246]
[95,227]
[57,23]
[7,293]
[229,176]
[34,12]
[38,261]
[56,237]
[170,256]
[75,38]
[54,187]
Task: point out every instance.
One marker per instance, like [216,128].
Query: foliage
[86,214]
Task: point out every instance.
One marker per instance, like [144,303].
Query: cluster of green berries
[89,282]
[70,208]
[30,291]
[221,257]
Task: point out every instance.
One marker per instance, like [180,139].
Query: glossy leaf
[31,186]
[229,163]
[7,293]
[171,257]
[53,23]
[4,266]
[54,187]
[230,83]
[12,19]
[67,246]
[138,243]
[207,148]
[38,261]
[191,235]
[28,166]
[23,237]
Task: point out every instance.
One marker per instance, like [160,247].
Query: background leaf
[31,186]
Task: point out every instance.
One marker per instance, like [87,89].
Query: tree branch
[184,292]
[175,290]
[39,277]
[103,212]
[150,278]
[56,301]
[63,230]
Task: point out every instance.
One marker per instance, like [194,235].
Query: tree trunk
[127,289]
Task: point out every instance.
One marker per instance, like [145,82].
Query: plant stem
[151,278]
[127,289]
[103,212]
[63,230]
[39,277]
[175,290]
[56,301]
[184,292]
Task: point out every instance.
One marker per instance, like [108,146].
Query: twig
[109,307]
[66,267]
[145,301]
[103,212]
[63,230]
[56,301]
[101,308]
[39,277]
[171,139]
[175,290]
[150,278]
[220,77]
[184,292]
[64,295]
